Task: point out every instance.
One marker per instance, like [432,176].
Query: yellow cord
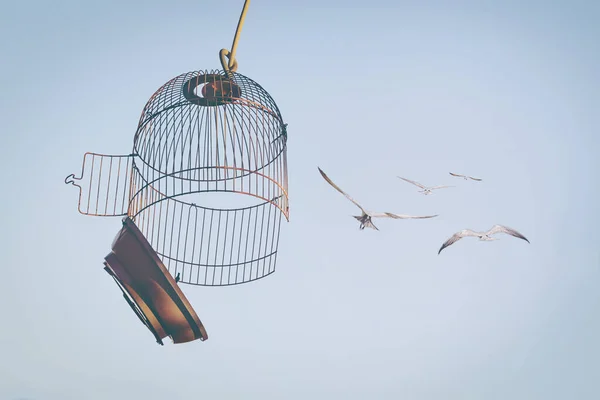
[232,65]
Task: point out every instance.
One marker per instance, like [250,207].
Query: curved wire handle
[71,179]
[225,54]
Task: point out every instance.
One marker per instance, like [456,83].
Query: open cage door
[104,184]
[149,289]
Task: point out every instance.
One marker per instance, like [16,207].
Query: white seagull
[365,217]
[485,236]
[465,177]
[426,189]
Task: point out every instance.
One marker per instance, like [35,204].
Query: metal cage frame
[201,132]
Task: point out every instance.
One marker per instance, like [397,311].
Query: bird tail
[369,224]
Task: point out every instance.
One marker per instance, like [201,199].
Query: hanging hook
[224,54]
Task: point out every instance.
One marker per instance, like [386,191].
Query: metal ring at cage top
[217,90]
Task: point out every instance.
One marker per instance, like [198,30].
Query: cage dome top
[223,110]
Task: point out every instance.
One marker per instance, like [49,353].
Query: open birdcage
[203,193]
[206,182]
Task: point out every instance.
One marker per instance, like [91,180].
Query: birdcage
[206,182]
[203,193]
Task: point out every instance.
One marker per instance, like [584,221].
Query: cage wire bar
[202,132]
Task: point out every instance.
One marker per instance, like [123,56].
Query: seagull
[365,217]
[426,190]
[485,236]
[464,176]
[178,277]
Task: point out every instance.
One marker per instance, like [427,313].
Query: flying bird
[426,189]
[465,177]
[485,236]
[365,217]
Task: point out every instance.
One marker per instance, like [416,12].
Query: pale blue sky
[508,91]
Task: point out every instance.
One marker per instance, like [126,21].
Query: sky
[506,91]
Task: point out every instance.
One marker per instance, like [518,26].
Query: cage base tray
[149,288]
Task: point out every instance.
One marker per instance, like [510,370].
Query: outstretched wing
[475,179]
[340,190]
[413,182]
[402,216]
[441,187]
[460,176]
[456,237]
[504,229]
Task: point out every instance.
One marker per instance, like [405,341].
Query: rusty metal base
[149,289]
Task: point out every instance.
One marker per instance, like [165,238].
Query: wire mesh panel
[209,133]
[103,184]
[214,247]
